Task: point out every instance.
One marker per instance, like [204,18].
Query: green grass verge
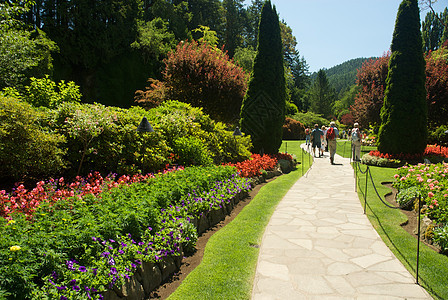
[433,267]
[228,267]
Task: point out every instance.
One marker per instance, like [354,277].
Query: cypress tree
[404,113]
[263,108]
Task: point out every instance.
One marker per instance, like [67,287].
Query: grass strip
[228,266]
[433,267]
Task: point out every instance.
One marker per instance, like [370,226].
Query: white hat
[332,123]
[356,124]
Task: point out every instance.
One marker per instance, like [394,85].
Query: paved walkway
[319,245]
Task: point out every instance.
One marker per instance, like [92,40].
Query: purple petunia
[82,269]
[113,271]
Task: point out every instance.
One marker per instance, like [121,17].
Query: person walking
[307,136]
[316,136]
[323,140]
[332,135]
[356,142]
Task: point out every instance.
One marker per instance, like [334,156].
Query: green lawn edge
[433,267]
[229,263]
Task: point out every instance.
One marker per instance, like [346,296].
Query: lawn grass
[433,267]
[344,148]
[228,267]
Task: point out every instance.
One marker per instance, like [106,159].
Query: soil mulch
[191,262]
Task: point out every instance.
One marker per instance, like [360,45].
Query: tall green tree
[234,25]
[434,30]
[253,20]
[321,95]
[24,51]
[263,109]
[404,113]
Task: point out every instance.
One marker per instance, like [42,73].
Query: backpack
[307,131]
[331,135]
[355,135]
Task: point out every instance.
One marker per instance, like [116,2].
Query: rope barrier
[369,174]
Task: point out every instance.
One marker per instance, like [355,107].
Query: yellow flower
[11,222]
[63,219]
[14,248]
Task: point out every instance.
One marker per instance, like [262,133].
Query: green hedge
[52,142]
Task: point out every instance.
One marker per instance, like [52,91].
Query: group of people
[325,138]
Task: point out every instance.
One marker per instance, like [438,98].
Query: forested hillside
[343,76]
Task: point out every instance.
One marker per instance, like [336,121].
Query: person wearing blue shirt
[316,136]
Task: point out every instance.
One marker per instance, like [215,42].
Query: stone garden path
[319,245]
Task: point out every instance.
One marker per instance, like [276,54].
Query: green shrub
[441,237]
[192,151]
[372,160]
[407,197]
[309,118]
[27,148]
[438,135]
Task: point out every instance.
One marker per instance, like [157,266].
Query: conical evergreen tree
[263,108]
[322,95]
[404,113]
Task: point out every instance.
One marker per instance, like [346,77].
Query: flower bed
[77,247]
[95,237]
[431,181]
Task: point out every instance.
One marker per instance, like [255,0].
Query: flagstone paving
[319,245]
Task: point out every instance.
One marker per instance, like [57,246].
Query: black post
[418,239]
[365,194]
[302,160]
[356,175]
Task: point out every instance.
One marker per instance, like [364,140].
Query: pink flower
[430,194]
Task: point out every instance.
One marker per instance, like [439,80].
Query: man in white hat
[332,135]
[356,142]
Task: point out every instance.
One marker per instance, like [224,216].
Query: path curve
[319,245]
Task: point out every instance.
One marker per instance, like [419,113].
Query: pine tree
[263,109]
[322,95]
[404,113]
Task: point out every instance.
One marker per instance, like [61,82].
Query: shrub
[27,148]
[293,130]
[406,197]
[308,119]
[192,151]
[441,237]
[203,76]
[372,160]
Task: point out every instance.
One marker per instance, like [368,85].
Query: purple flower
[123,245]
[70,265]
[82,269]
[76,288]
[54,275]
[61,288]
[72,282]
[105,254]
[94,271]
[111,240]
[63,298]
[111,261]
[113,271]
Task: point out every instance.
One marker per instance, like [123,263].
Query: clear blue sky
[330,32]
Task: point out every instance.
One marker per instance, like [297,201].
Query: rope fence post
[418,239]
[365,194]
[302,160]
[356,176]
